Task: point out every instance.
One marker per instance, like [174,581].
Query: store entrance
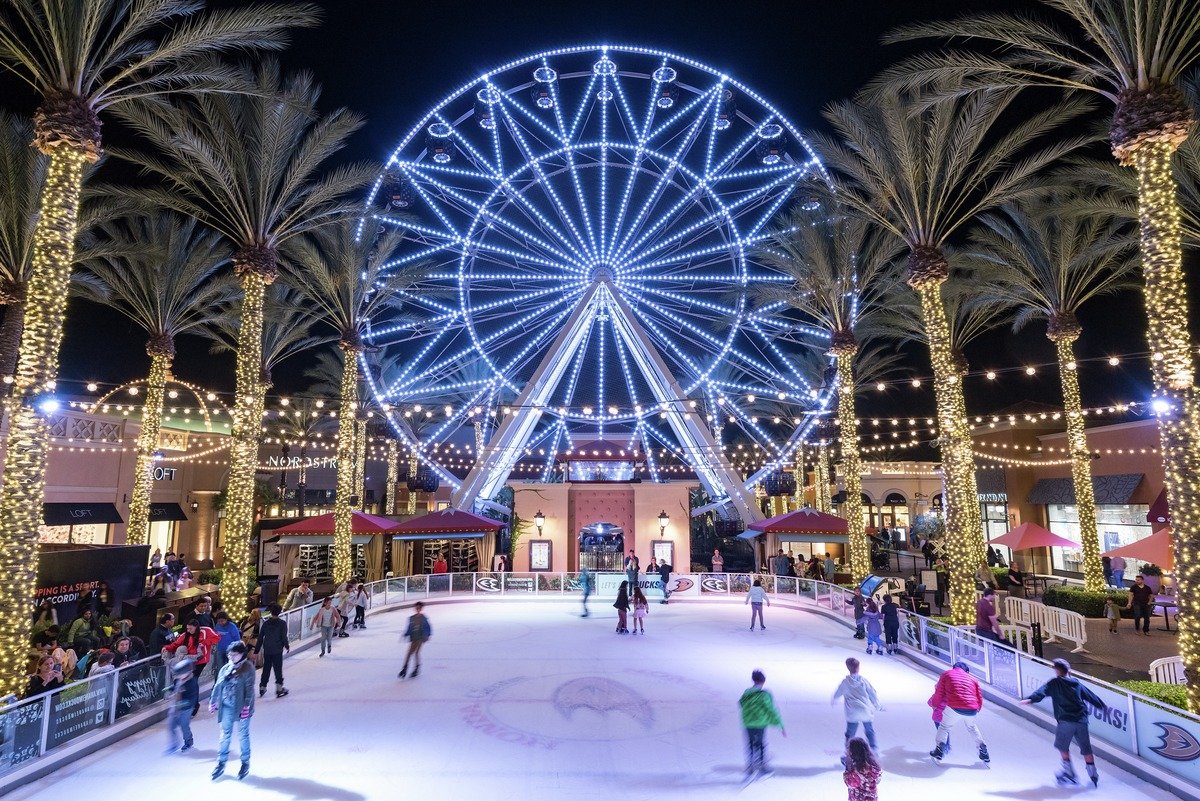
[601,547]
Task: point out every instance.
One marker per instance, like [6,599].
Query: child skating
[758,714]
[641,608]
[756,598]
[859,701]
[862,772]
[417,632]
[1070,699]
[622,607]
[873,619]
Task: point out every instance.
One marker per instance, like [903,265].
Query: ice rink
[529,701]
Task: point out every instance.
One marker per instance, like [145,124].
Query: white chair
[1168,670]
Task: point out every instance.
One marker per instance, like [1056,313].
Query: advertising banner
[140,686]
[1168,739]
[79,709]
[20,734]
[103,578]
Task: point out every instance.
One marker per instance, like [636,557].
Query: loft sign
[165,473]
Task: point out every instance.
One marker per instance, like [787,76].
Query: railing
[1055,622]
[1167,737]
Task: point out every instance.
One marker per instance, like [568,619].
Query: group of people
[170,573]
[786,564]
[957,698]
[661,570]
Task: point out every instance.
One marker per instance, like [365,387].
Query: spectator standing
[439,564]
[327,620]
[664,575]
[233,700]
[862,771]
[203,613]
[756,598]
[1106,564]
[299,596]
[987,625]
[830,568]
[1118,572]
[1070,700]
[185,695]
[418,633]
[718,561]
[632,567]
[1016,580]
[1141,601]
[272,643]
[959,696]
[1113,613]
[891,624]
[859,702]
[780,564]
[929,552]
[758,714]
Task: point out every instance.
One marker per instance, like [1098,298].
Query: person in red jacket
[197,642]
[960,696]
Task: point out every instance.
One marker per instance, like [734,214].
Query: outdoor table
[1032,582]
[1166,603]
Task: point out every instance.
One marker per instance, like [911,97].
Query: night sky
[391,61]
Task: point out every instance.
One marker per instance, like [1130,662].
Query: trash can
[268,590]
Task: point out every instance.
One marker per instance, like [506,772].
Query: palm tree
[1048,260]
[923,171]
[248,166]
[304,421]
[840,272]
[22,173]
[82,59]
[159,271]
[1133,54]
[341,273]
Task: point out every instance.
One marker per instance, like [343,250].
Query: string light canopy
[586,221]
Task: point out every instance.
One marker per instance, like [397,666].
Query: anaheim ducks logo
[602,695]
[1178,744]
[682,585]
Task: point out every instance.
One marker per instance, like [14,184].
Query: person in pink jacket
[958,695]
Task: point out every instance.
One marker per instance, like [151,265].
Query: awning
[447,521]
[160,512]
[79,514]
[1109,490]
[895,499]
[316,539]
[1160,511]
[360,523]
[840,498]
[829,538]
[434,535]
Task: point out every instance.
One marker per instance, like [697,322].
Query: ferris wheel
[583,226]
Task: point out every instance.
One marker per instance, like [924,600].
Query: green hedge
[1170,694]
[212,576]
[1001,574]
[1076,599]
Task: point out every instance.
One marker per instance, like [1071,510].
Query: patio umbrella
[1156,549]
[1031,535]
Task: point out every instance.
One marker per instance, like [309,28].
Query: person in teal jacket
[758,714]
[233,700]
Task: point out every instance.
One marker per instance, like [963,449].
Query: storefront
[78,523]
[1119,521]
[164,526]
[893,514]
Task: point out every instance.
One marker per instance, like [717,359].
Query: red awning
[447,521]
[360,523]
[1031,535]
[802,521]
[1160,512]
[1156,549]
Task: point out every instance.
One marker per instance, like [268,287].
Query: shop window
[1116,524]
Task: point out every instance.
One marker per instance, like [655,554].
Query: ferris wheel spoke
[777,353]
[535,217]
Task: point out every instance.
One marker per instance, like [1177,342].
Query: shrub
[212,576]
[1001,574]
[1169,694]
[1076,599]
[1150,569]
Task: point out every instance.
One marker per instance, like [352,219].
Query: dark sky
[391,60]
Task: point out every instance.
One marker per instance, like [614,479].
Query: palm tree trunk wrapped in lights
[824,500]
[70,135]
[1063,333]
[256,268]
[343,560]
[844,349]
[393,476]
[801,475]
[360,460]
[927,271]
[161,351]
[413,465]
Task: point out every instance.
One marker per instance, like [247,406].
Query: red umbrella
[360,523]
[447,521]
[802,521]
[1031,535]
[1156,549]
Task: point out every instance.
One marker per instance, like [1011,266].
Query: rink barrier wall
[41,734]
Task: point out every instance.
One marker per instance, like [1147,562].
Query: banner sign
[1169,740]
[66,577]
[1111,724]
[140,686]
[20,734]
[79,709]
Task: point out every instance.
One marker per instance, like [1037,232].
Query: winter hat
[237,647]
[181,666]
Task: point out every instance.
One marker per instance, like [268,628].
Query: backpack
[81,667]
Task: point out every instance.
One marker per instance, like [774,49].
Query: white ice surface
[529,701]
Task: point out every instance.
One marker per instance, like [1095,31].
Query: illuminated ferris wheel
[584,225]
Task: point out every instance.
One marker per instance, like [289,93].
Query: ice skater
[641,608]
[233,700]
[891,624]
[272,642]
[960,696]
[343,599]
[1070,699]
[362,599]
[585,582]
[664,575]
[418,632]
[622,607]
[185,694]
[859,701]
[873,620]
[758,714]
[327,619]
[862,772]
[756,597]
